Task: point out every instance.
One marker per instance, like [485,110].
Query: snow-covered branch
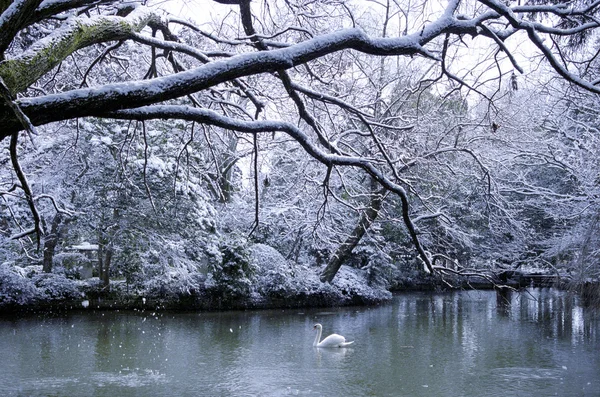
[92,101]
[12,20]
[78,32]
[534,29]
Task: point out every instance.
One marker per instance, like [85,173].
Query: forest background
[300,152]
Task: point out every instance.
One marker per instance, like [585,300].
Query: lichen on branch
[25,69]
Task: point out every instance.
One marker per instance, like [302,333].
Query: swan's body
[333,340]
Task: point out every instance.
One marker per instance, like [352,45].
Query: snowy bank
[273,283]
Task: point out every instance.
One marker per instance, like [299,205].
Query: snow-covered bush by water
[24,286]
[278,278]
[231,273]
[173,284]
[15,287]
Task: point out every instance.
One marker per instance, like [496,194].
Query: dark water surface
[541,343]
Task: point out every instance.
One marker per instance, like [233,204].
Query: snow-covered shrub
[230,268]
[352,283]
[10,251]
[380,270]
[72,264]
[279,279]
[130,265]
[274,273]
[174,284]
[15,288]
[55,287]
[271,266]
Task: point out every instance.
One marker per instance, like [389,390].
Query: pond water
[468,343]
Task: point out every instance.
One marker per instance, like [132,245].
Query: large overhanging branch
[110,97]
[12,18]
[78,32]
[205,116]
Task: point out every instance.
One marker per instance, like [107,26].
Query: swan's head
[318,326]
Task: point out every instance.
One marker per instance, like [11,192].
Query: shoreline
[204,302]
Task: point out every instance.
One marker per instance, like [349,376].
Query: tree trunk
[104,258]
[585,261]
[50,243]
[225,177]
[105,275]
[367,218]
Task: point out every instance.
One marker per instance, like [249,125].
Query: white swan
[333,340]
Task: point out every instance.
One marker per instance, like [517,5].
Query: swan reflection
[330,357]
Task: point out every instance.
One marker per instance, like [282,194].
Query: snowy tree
[265,56]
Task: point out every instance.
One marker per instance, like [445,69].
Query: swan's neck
[318,337]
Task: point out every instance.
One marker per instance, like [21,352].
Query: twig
[55,204]
[256,195]
[5,93]
[146,166]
